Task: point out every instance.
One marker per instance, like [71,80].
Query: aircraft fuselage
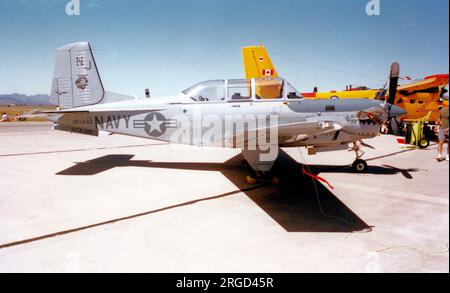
[215,123]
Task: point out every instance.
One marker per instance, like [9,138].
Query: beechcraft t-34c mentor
[255,115]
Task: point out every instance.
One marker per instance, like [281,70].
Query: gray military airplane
[256,115]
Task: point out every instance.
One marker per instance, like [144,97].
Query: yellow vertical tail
[257,63]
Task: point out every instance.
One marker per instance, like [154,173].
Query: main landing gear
[360,165]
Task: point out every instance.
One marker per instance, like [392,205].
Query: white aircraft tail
[76,81]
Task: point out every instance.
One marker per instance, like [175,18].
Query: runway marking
[83,150]
[64,232]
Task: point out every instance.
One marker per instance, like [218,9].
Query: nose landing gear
[359,165]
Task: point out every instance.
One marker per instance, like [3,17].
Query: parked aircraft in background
[417,98]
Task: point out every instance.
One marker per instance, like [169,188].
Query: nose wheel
[359,165]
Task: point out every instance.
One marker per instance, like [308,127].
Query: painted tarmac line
[83,150]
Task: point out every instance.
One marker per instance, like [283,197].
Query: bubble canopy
[242,89]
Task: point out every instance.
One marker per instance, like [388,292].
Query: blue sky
[168,45]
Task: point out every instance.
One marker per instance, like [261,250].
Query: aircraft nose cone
[397,111]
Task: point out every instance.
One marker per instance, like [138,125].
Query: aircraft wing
[257,63]
[429,82]
[288,131]
[307,128]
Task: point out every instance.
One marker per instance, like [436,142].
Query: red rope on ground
[315,177]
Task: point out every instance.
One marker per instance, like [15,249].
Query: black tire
[424,143]
[360,166]
[334,98]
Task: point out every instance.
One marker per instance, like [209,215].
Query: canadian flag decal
[267,72]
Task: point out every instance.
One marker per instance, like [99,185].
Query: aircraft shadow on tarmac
[293,204]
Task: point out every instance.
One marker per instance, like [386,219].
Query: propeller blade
[381,95]
[393,82]
[395,126]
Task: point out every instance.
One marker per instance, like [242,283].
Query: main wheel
[360,166]
[250,180]
[424,143]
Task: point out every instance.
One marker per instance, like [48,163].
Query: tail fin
[76,81]
[257,63]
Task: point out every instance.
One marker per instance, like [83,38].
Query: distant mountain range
[24,100]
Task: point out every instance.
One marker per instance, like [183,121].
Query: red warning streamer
[315,177]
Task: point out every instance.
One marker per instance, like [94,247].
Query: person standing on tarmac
[443,133]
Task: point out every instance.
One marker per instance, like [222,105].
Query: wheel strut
[359,165]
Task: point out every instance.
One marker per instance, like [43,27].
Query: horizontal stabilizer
[72,129]
[92,132]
